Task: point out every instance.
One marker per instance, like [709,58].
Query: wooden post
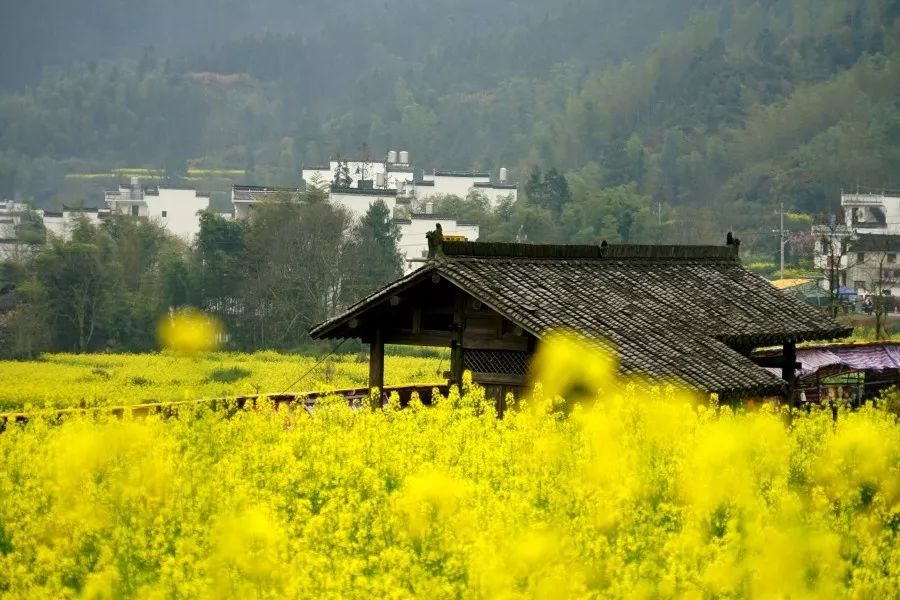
[456,363]
[376,361]
[456,346]
[789,359]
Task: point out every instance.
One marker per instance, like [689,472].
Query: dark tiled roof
[425,183]
[496,186]
[364,191]
[873,242]
[257,193]
[460,174]
[418,216]
[669,311]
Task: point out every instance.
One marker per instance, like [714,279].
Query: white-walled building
[60,224]
[861,250]
[56,223]
[413,244]
[245,197]
[10,216]
[357,201]
[396,172]
[175,208]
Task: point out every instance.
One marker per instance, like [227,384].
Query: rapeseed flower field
[635,491]
[89,380]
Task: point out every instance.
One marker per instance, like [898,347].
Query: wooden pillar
[456,363]
[789,360]
[456,346]
[376,361]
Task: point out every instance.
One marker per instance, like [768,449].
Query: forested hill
[704,108]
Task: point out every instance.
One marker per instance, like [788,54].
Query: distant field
[71,380]
[192,173]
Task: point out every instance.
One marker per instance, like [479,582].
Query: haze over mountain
[702,107]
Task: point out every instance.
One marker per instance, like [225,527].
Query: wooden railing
[353,396]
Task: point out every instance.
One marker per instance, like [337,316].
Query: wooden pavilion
[688,313]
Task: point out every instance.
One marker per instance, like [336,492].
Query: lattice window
[495,361]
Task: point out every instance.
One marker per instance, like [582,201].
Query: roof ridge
[585,251]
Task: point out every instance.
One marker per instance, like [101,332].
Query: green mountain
[709,112]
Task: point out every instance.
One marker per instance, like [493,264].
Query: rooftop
[674,312]
[496,186]
[256,193]
[460,174]
[363,191]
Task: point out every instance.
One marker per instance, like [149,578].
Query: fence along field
[92,380]
[633,493]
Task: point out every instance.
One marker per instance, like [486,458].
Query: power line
[313,368]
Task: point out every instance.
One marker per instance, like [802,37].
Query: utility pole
[782,235]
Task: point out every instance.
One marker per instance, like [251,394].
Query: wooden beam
[423,338]
[499,379]
[480,341]
[376,361]
[395,300]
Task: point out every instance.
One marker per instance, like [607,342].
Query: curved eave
[325,329]
[795,337]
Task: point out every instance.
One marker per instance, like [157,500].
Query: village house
[57,224]
[687,314]
[396,174]
[860,249]
[356,201]
[175,208]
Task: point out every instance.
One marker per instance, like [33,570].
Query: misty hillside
[696,104]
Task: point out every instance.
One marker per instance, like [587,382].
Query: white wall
[358,204]
[414,245]
[61,226]
[451,185]
[177,210]
[326,175]
[890,205]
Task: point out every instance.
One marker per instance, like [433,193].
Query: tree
[290,271]
[371,257]
[220,245]
[342,178]
[75,286]
[551,193]
[30,228]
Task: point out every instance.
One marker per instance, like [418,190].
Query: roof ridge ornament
[435,242]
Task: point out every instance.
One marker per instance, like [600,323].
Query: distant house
[245,197]
[395,173]
[414,226]
[175,208]
[860,249]
[356,201]
[61,223]
[57,224]
[691,314]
